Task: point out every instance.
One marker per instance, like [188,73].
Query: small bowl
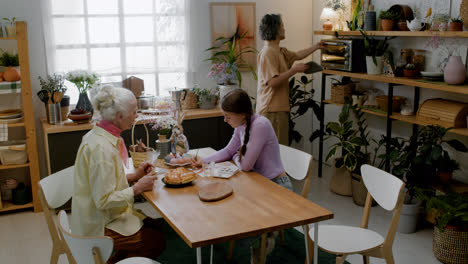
[80,118]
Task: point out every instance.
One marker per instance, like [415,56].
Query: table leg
[315,243]
[306,238]
[263,249]
[198,255]
[211,255]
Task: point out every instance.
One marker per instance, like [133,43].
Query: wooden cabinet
[391,81]
[28,124]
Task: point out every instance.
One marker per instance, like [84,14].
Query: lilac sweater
[262,155]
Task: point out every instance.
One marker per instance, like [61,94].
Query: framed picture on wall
[229,20]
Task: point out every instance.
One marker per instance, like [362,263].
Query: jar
[405,56]
[418,59]
[145,101]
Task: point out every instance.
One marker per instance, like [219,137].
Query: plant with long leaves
[375,47]
[300,101]
[230,53]
[53,83]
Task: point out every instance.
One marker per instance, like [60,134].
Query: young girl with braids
[253,146]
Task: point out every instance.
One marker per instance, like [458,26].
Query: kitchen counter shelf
[414,120]
[7,167]
[365,110]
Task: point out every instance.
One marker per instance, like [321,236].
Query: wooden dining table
[257,206]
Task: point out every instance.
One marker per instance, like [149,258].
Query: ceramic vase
[371,67]
[84,103]
[454,71]
[224,89]
[163,146]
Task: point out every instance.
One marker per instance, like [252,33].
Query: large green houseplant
[227,60]
[300,101]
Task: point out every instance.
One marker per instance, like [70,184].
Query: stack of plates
[11,115]
[433,76]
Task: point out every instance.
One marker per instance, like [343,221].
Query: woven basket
[190,101]
[359,190]
[140,157]
[340,92]
[382,101]
[450,246]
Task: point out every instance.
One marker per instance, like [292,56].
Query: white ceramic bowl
[432,74]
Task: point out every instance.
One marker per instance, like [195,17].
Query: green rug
[292,252]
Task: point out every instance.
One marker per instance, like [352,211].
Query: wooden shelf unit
[7,206]
[408,119]
[28,123]
[461,89]
[443,34]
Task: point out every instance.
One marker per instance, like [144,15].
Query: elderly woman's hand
[143,169]
[144,184]
[196,162]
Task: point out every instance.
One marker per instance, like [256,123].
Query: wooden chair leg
[365,259]
[232,244]
[263,249]
[282,237]
[310,244]
[389,258]
[55,255]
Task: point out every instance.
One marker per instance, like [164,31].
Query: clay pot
[454,72]
[387,24]
[402,26]
[455,26]
[410,73]
[445,177]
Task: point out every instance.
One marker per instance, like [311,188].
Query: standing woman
[275,67]
[102,201]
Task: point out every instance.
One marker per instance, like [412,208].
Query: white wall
[377,124]
[296,15]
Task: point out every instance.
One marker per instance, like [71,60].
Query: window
[120,38]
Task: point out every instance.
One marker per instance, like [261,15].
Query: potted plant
[53,90]
[9,64]
[10,27]
[84,81]
[227,60]
[388,19]
[410,71]
[354,145]
[456,24]
[374,49]
[451,224]
[446,167]
[206,97]
[300,101]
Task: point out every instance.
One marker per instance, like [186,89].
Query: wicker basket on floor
[140,157]
[450,246]
[340,92]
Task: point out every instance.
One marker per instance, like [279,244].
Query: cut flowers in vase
[163,125]
[84,80]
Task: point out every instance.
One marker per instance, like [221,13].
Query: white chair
[298,165]
[388,191]
[54,191]
[96,249]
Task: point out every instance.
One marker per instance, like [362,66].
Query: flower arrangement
[53,83]
[224,73]
[163,125]
[227,59]
[84,80]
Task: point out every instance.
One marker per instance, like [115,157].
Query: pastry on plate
[179,176]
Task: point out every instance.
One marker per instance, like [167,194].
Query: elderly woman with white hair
[102,202]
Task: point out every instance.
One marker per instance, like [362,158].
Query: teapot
[415,25]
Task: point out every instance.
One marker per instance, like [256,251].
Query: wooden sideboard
[203,128]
